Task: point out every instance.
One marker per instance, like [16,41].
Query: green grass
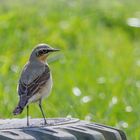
[100,55]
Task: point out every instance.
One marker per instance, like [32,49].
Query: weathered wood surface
[57,129]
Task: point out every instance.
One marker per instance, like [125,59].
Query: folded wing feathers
[32,88]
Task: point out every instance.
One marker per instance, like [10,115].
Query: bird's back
[31,71]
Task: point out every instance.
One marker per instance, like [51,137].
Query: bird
[35,81]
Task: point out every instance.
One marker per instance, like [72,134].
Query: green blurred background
[97,73]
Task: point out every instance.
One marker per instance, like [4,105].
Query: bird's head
[41,52]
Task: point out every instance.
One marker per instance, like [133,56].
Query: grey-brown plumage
[35,81]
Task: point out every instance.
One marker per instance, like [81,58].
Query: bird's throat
[43,58]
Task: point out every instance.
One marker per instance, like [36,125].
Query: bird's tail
[17,110]
[22,103]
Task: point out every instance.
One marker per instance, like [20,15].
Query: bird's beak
[53,50]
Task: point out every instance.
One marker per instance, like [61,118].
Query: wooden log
[57,129]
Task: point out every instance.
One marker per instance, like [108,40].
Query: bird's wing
[28,90]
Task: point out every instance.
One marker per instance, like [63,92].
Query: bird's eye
[41,52]
[45,51]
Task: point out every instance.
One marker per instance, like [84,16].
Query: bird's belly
[44,92]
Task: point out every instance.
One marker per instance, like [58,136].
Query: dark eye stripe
[44,51]
[41,52]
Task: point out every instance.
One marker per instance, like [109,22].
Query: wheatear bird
[36,81]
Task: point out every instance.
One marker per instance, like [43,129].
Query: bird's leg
[27,115]
[40,106]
